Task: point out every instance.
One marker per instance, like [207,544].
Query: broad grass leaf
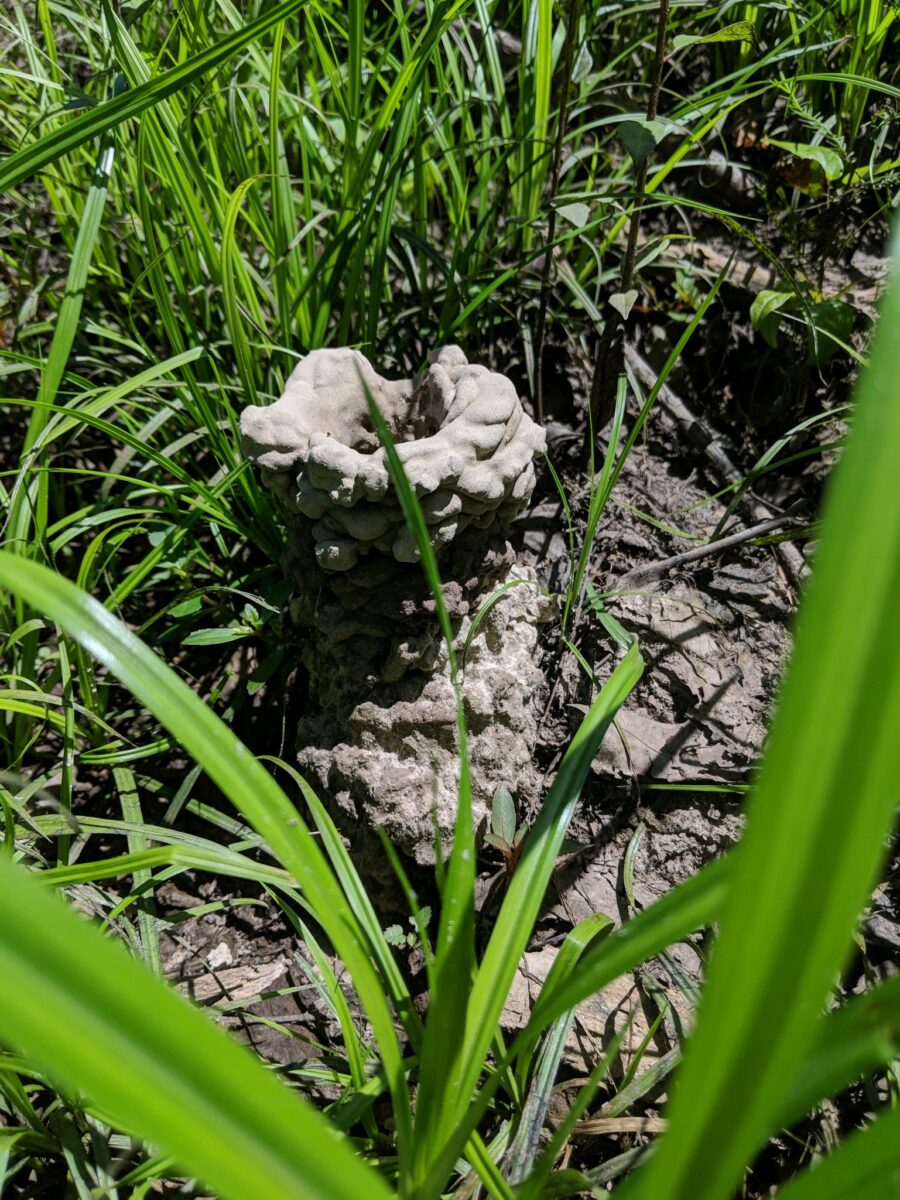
[738,31]
[819,816]
[864,1167]
[829,160]
[216,637]
[99,1023]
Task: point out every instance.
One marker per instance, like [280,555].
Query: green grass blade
[353,1042]
[229,764]
[692,905]
[233,316]
[362,906]
[64,420]
[592,929]
[454,957]
[222,862]
[132,103]
[515,921]
[865,1167]
[32,497]
[98,1022]
[521,905]
[860,1037]
[542,1074]
[820,812]
[284,217]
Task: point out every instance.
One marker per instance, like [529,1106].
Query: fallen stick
[598,1126]
[792,561]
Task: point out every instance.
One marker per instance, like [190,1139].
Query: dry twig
[713,447]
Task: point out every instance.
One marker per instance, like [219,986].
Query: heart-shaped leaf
[623,302]
[640,137]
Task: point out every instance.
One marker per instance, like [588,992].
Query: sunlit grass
[195,196]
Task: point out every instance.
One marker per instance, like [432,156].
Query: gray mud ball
[380,744]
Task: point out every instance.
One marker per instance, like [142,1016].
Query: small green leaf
[566,1183]
[640,138]
[829,160]
[623,302]
[628,865]
[264,671]
[216,637]
[187,607]
[740,31]
[764,313]
[250,614]
[576,214]
[583,64]
[830,317]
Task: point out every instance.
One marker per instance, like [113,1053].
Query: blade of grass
[819,815]
[29,503]
[515,921]
[361,903]
[692,905]
[524,1148]
[866,1166]
[229,764]
[223,862]
[98,1022]
[454,954]
[230,293]
[862,1036]
[518,913]
[130,801]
